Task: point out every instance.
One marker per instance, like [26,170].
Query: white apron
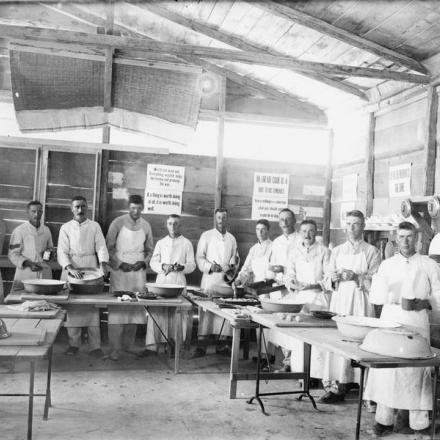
[81,315]
[130,249]
[260,267]
[348,299]
[402,388]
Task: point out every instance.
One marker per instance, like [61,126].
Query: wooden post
[328,191]
[369,169]
[103,183]
[430,141]
[220,141]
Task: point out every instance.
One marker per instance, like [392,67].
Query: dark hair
[136,199]
[263,222]
[407,226]
[288,210]
[34,203]
[75,198]
[309,222]
[174,216]
[356,213]
[220,210]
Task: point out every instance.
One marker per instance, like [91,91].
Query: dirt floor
[143,399]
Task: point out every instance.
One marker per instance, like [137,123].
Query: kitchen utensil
[280,305]
[41,286]
[165,290]
[355,328]
[322,314]
[398,342]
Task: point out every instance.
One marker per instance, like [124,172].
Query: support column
[328,191]
[369,169]
[430,141]
[220,141]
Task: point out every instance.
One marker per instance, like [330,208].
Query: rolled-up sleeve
[16,248]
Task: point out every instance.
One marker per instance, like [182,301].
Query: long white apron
[81,315]
[260,266]
[313,300]
[130,249]
[402,388]
[348,299]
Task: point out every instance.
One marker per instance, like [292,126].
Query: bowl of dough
[274,304]
[355,328]
[92,281]
[165,290]
[397,342]
[42,286]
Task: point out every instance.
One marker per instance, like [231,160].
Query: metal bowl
[322,314]
[87,289]
[399,342]
[92,282]
[165,290]
[222,290]
[355,328]
[42,286]
[274,306]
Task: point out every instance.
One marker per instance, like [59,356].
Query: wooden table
[332,341]
[103,300]
[32,354]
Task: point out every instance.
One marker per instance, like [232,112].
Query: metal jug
[3,330]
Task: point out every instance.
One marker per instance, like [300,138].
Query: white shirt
[255,267]
[29,243]
[281,247]
[81,240]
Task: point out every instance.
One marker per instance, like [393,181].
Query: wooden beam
[220,141]
[328,192]
[369,166]
[12,31]
[108,65]
[281,9]
[430,141]
[240,43]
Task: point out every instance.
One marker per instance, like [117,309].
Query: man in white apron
[307,264]
[27,246]
[352,265]
[173,259]
[130,245]
[81,244]
[216,254]
[256,265]
[281,248]
[406,286]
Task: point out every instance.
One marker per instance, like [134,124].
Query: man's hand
[105,267]
[335,276]
[34,267]
[297,285]
[167,268]
[216,268]
[276,268]
[348,275]
[75,273]
[178,267]
[139,265]
[238,283]
[125,267]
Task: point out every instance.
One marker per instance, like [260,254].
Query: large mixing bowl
[91,283]
[42,286]
[165,290]
[279,305]
[355,328]
[399,342]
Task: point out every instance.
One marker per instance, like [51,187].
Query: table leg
[48,400]
[177,337]
[434,403]
[306,370]
[257,382]
[234,362]
[247,338]
[31,399]
[361,395]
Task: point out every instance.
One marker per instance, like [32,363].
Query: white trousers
[94,334]
[417,419]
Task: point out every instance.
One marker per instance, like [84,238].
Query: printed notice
[158,201]
[400,180]
[267,207]
[165,177]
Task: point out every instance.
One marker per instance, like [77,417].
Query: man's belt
[415,304]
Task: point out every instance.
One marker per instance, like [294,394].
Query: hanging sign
[165,177]
[400,180]
[158,201]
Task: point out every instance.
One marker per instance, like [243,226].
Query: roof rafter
[12,31]
[282,9]
[239,43]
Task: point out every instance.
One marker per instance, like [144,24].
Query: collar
[33,227]
[308,249]
[78,224]
[407,259]
[133,222]
[356,245]
[219,234]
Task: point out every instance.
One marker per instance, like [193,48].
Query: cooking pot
[279,305]
[165,290]
[355,328]
[397,342]
[43,286]
[91,283]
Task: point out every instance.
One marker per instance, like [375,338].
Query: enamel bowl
[279,305]
[43,286]
[355,328]
[397,342]
[165,290]
[91,283]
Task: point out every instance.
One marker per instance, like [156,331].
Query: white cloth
[399,277]
[256,265]
[417,419]
[214,247]
[128,248]
[29,243]
[169,251]
[350,298]
[281,248]
[308,266]
[81,245]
